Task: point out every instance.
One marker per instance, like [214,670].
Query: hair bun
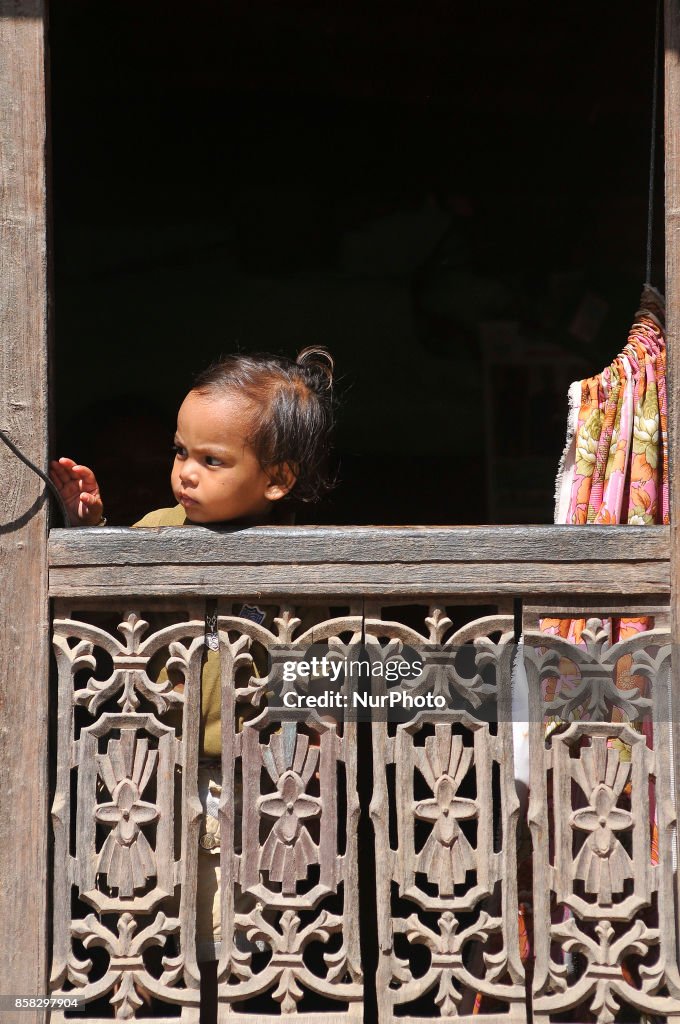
[318,363]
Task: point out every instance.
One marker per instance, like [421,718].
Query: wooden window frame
[608,567]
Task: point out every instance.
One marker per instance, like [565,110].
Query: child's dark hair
[294,411]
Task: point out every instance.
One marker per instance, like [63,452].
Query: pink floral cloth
[615,464]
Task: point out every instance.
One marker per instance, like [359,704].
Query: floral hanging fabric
[615,464]
[615,471]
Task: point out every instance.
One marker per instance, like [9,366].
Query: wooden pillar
[24,661]
[672,232]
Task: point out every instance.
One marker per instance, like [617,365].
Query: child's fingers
[68,488]
[88,481]
[71,470]
[90,507]
[90,501]
[62,472]
[58,473]
[63,476]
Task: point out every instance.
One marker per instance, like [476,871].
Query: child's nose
[189,471]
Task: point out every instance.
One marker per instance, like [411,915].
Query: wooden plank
[338,544]
[279,881]
[488,882]
[375,580]
[23,537]
[672,224]
[532,619]
[629,605]
[602,604]
[581,768]
[140,745]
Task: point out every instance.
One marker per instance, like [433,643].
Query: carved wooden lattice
[604,920]
[127,823]
[458,883]
[297,888]
[122,770]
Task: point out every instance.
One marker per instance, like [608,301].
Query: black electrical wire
[43,476]
[652,153]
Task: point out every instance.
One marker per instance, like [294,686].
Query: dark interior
[452,197]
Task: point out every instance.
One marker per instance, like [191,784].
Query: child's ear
[281,481]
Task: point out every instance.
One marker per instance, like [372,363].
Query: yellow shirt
[210,736]
[211,686]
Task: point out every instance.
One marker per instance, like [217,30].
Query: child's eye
[179,452]
[211,460]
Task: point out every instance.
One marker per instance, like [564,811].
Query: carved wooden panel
[445,816]
[121,938]
[289,881]
[604,919]
[130,828]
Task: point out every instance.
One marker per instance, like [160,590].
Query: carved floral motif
[127,975]
[126,857]
[289,849]
[447,855]
[130,658]
[602,863]
[446,948]
[287,968]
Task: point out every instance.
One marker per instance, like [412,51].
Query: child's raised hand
[80,491]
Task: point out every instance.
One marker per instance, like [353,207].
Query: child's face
[216,475]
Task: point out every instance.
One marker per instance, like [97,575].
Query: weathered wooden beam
[384,562]
[566,581]
[23,515]
[357,545]
[672,223]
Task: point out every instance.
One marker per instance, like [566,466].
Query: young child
[253,430]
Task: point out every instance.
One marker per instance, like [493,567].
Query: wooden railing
[553,561]
[443,878]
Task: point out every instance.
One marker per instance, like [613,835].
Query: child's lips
[186,501]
